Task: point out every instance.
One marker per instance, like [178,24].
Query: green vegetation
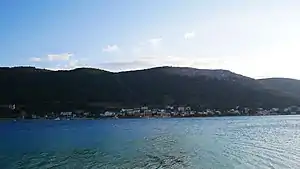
[39,90]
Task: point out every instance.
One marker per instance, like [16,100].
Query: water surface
[191,143]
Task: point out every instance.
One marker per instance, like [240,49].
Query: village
[168,111]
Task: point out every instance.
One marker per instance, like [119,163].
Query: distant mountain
[288,86]
[39,89]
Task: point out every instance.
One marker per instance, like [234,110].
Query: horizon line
[139,69]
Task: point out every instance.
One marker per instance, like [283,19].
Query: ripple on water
[262,148]
[212,143]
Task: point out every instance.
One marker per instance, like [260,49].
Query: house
[170,107]
[136,111]
[275,109]
[202,113]
[129,112]
[162,110]
[109,114]
[181,109]
[33,116]
[218,113]
[144,108]
[120,113]
[193,113]
[211,113]
[233,112]
[147,111]
[246,111]
[126,110]
[263,112]
[66,113]
[12,106]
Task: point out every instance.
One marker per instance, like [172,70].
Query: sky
[256,38]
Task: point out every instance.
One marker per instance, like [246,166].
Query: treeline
[39,90]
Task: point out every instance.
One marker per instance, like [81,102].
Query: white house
[218,113]
[293,113]
[192,112]
[181,109]
[202,113]
[136,111]
[12,106]
[126,110]
[86,113]
[170,107]
[66,113]
[108,113]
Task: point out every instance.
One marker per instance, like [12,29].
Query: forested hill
[39,88]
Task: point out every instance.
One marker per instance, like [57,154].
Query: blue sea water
[191,143]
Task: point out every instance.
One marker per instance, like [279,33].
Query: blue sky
[257,38]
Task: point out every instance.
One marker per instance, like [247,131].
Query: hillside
[288,86]
[39,89]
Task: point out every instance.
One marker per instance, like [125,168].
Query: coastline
[112,118]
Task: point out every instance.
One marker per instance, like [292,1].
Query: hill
[290,87]
[39,89]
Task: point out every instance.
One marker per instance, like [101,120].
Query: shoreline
[105,118]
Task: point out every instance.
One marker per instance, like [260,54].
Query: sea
[269,142]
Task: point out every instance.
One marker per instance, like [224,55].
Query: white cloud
[164,60]
[155,41]
[189,35]
[35,59]
[110,48]
[73,63]
[60,57]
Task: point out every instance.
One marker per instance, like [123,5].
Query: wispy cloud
[155,41]
[189,35]
[59,57]
[35,59]
[111,48]
[73,63]
[163,60]
[70,64]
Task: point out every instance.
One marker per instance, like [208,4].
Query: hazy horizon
[255,38]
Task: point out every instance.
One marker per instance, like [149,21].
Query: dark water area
[191,143]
